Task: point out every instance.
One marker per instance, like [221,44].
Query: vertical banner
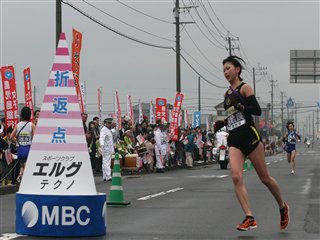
[100,104]
[140,113]
[175,117]
[180,119]
[118,112]
[130,109]
[186,119]
[169,115]
[161,109]
[83,94]
[27,90]
[152,117]
[196,119]
[10,98]
[76,48]
[207,125]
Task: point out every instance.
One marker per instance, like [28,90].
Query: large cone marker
[116,191]
[57,196]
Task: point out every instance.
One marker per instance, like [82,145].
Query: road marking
[306,188]
[275,161]
[9,236]
[159,194]
[207,176]
[268,163]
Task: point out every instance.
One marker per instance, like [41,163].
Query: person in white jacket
[157,148]
[221,137]
[106,148]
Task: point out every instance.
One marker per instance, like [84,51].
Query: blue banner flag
[196,119]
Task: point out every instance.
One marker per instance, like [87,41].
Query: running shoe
[285,218]
[292,172]
[247,224]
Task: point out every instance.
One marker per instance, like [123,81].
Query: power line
[214,44]
[218,18]
[206,26]
[136,40]
[206,80]
[242,49]
[201,65]
[114,30]
[219,69]
[147,15]
[128,24]
[210,19]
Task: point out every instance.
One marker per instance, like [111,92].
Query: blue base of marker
[61,215]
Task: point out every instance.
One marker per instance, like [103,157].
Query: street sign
[290,103]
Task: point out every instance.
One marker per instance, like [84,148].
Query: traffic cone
[116,190]
[245,165]
[250,165]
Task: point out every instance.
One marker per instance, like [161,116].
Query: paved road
[200,204]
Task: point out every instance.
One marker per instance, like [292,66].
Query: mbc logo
[59,215]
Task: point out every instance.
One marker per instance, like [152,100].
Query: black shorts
[245,138]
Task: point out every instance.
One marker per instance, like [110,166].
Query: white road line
[159,194]
[306,188]
[222,176]
[268,163]
[9,236]
[207,176]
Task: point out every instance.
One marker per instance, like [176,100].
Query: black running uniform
[242,133]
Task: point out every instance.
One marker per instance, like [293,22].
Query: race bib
[235,120]
[24,139]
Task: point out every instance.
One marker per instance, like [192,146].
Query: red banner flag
[28,90]
[161,109]
[130,110]
[76,48]
[10,98]
[175,117]
[118,112]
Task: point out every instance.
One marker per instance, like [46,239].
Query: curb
[9,189]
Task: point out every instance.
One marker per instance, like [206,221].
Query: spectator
[23,132]
[84,117]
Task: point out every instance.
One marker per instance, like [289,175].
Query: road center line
[307,187]
[159,194]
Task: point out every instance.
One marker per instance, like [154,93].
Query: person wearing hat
[157,137]
[106,148]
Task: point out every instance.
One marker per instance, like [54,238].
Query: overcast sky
[267,30]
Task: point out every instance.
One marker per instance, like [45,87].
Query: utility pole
[295,115]
[58,21]
[282,129]
[199,98]
[177,23]
[272,85]
[309,126]
[313,130]
[260,71]
[254,81]
[318,121]
[229,39]
[255,118]
[178,70]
